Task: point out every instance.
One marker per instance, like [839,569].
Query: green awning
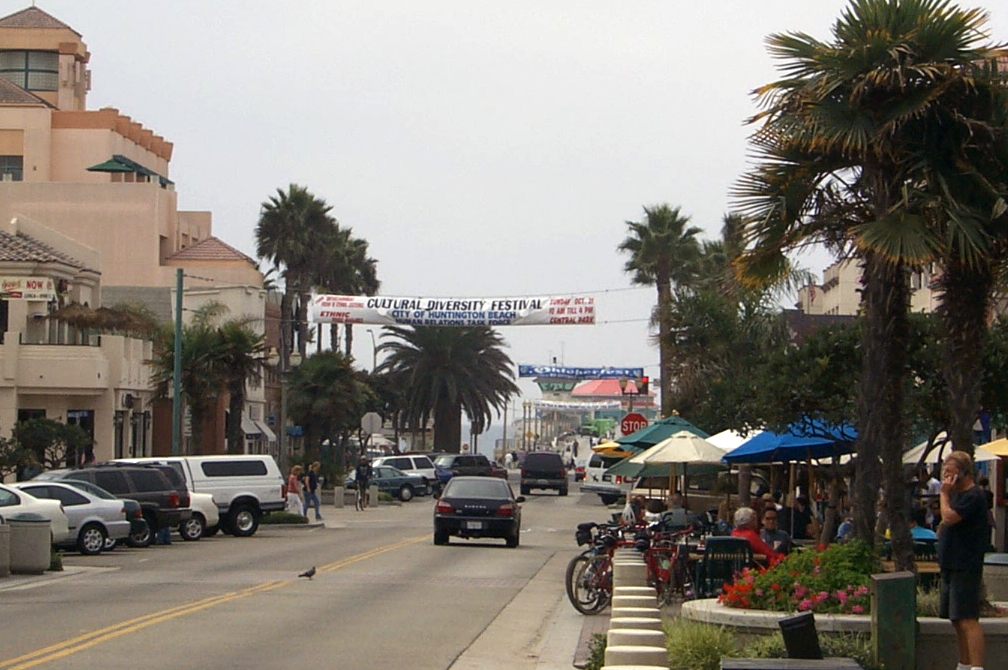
[111,165]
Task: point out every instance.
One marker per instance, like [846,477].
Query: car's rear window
[489,487]
[422,462]
[240,468]
[546,461]
[149,480]
[401,463]
[112,481]
[445,461]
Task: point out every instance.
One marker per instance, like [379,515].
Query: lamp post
[374,350]
[526,415]
[623,382]
[276,361]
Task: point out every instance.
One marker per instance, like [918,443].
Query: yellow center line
[88,640]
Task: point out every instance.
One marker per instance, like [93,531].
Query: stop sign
[632,422]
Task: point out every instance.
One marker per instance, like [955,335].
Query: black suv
[466,464]
[163,504]
[543,470]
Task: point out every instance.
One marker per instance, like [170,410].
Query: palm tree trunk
[334,337]
[235,434]
[664,342]
[448,426]
[965,301]
[302,322]
[349,339]
[286,331]
[880,444]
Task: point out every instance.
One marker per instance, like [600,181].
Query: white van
[244,487]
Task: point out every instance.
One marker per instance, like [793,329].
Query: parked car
[161,501]
[609,488]
[244,486]
[140,533]
[498,470]
[205,517]
[414,464]
[543,470]
[392,481]
[92,520]
[478,507]
[466,464]
[581,468]
[14,502]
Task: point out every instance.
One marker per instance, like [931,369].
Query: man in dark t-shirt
[962,539]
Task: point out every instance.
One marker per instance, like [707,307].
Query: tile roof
[210,249]
[33,17]
[22,248]
[12,94]
[603,387]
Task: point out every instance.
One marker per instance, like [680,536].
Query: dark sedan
[393,481]
[478,507]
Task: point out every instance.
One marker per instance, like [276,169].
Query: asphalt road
[383,596]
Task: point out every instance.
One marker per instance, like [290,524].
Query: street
[382,596]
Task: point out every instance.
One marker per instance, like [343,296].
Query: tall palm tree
[663,251]
[344,267]
[839,162]
[290,227]
[241,360]
[445,371]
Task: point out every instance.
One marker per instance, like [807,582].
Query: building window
[31,70]
[11,168]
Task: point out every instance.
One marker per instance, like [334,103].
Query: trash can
[30,543]
[995,576]
[4,548]
[800,636]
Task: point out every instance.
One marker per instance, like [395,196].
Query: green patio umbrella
[662,429]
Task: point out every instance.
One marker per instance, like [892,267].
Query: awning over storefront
[249,427]
[267,433]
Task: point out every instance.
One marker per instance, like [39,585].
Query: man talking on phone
[963,536]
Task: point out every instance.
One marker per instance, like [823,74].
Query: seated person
[846,530]
[772,535]
[682,517]
[745,527]
[917,529]
[634,511]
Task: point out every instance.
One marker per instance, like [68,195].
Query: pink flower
[842,597]
[857,609]
[822,596]
[799,590]
[804,605]
[759,592]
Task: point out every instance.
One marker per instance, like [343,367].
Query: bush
[833,579]
[596,648]
[853,645]
[55,561]
[282,518]
[697,646]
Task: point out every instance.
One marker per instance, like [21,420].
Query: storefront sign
[27,288]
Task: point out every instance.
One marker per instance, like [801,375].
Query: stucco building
[101,179]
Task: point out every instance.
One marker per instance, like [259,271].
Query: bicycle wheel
[586,582]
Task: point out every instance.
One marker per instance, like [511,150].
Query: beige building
[840,292]
[102,180]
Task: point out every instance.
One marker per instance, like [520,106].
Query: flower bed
[831,580]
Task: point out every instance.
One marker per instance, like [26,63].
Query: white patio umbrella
[683,448]
[911,456]
[729,439]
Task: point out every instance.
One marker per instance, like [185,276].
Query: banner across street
[390,311]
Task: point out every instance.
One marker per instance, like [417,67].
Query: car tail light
[443,507]
[137,513]
[173,500]
[123,510]
[507,509]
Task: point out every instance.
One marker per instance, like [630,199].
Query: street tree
[445,371]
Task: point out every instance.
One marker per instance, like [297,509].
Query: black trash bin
[800,636]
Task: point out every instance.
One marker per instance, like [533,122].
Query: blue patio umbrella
[802,441]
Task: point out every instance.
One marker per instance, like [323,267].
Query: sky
[483,149]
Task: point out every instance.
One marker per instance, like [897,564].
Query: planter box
[936,644]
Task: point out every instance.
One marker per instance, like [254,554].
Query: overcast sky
[483,149]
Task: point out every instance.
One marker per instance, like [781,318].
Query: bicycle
[588,578]
[362,496]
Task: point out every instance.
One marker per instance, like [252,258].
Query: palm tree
[444,371]
[344,267]
[663,251]
[840,162]
[241,360]
[288,233]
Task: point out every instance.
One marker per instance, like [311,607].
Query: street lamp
[526,416]
[277,361]
[374,350]
[623,383]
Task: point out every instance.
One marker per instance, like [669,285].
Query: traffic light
[643,386]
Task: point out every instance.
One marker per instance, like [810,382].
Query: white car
[14,502]
[205,517]
[93,519]
[413,464]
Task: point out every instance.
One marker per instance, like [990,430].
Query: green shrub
[55,561]
[697,646]
[596,649]
[282,518]
[927,602]
[854,645]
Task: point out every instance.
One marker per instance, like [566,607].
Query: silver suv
[413,464]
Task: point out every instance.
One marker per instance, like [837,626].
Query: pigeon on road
[309,573]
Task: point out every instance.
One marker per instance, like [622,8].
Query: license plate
[474,525]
